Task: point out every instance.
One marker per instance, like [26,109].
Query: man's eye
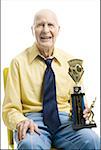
[50,25]
[40,25]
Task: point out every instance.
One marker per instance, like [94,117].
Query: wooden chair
[9,132]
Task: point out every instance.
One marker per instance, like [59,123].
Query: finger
[20,127]
[87,110]
[36,128]
[25,128]
[33,128]
[85,116]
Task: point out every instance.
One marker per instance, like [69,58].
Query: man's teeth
[45,37]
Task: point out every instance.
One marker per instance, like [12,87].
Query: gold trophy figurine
[76,71]
[91,114]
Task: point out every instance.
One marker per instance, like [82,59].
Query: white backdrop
[79,35]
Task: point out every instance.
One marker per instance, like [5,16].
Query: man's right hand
[23,126]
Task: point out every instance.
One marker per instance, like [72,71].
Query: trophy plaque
[76,71]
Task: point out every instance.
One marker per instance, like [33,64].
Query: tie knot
[48,62]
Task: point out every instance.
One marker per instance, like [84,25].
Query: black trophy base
[81,126]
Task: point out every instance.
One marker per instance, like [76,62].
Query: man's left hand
[86,113]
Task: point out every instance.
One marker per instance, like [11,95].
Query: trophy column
[77,110]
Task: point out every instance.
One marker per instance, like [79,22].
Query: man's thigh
[68,139]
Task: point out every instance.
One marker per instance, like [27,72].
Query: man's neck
[46,52]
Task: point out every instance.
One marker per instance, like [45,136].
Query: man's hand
[23,126]
[86,112]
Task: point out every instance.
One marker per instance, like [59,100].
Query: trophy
[76,71]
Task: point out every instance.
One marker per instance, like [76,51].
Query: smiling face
[46,29]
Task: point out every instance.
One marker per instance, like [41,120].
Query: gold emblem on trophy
[76,71]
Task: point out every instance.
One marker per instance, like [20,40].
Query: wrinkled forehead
[45,16]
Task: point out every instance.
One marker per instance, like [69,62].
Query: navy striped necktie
[50,109]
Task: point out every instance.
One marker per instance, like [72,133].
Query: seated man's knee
[90,139]
[28,143]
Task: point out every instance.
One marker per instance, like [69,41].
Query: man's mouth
[46,37]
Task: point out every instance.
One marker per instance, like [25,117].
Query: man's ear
[58,30]
[32,30]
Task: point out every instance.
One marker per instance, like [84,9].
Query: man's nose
[46,28]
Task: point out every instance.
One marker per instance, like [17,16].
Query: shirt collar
[57,55]
[34,53]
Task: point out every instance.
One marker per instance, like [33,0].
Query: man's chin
[46,47]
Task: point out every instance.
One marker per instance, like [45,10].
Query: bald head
[46,12]
[45,28]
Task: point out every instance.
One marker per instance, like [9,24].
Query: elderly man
[37,100]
